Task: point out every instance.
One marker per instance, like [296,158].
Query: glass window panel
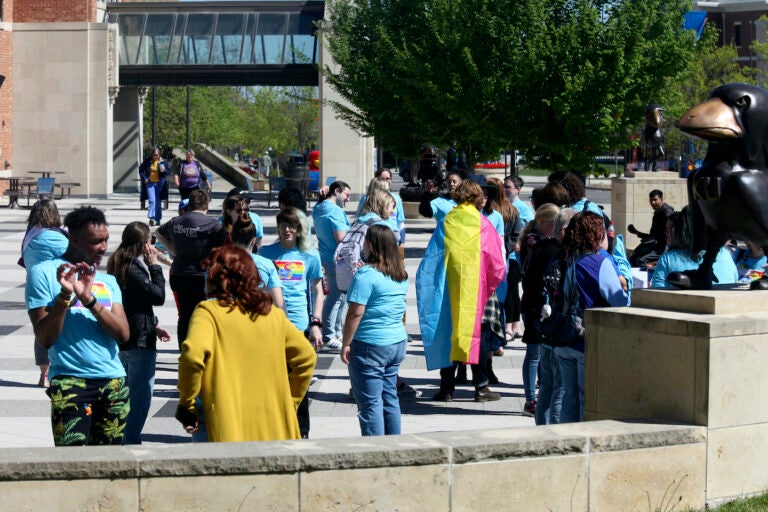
[248,45]
[301,44]
[229,39]
[178,35]
[272,28]
[130,26]
[197,39]
[157,38]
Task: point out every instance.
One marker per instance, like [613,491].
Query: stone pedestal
[692,357]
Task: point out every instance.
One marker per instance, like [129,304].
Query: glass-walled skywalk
[192,43]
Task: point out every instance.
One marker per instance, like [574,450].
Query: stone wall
[692,357]
[600,466]
[61,110]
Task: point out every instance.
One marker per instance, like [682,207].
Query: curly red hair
[234,281]
[585,233]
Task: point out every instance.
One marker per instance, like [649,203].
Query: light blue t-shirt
[370,215]
[384,301]
[47,245]
[295,269]
[256,223]
[497,220]
[675,260]
[267,272]
[525,211]
[83,349]
[591,207]
[440,208]
[328,217]
[744,263]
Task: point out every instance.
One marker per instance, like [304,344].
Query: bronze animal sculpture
[727,195]
[653,136]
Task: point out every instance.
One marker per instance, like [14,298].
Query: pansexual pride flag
[463,265]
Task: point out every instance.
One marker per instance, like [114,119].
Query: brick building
[14,12]
[739,24]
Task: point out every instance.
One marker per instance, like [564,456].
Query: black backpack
[559,323]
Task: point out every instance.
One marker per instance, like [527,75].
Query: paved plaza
[24,407]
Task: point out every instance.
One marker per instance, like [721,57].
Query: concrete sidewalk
[24,407]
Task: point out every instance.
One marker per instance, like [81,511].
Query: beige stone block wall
[629,200]
[737,461]
[738,367]
[94,495]
[668,478]
[551,483]
[696,357]
[61,105]
[414,488]
[225,493]
[344,153]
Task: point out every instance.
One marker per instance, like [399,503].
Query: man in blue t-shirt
[331,225]
[77,313]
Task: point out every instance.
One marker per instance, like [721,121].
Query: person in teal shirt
[678,257]
[300,272]
[331,224]
[374,335]
[44,240]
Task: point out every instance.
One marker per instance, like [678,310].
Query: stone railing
[604,465]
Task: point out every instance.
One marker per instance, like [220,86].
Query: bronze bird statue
[728,195]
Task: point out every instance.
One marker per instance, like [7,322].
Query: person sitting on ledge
[653,244]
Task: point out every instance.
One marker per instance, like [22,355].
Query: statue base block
[692,357]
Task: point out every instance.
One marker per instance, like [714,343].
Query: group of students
[244,319]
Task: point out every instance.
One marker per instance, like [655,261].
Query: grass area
[755,504]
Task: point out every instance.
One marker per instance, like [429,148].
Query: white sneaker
[333,345]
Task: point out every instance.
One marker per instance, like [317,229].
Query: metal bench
[65,188]
[13,197]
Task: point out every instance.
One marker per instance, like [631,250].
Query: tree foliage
[252,119]
[562,80]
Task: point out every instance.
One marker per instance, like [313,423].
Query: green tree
[251,119]
[717,65]
[562,80]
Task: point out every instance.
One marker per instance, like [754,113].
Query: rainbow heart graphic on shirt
[290,270]
[101,292]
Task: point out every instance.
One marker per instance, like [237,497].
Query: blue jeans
[550,398]
[154,208]
[139,366]
[571,363]
[530,370]
[373,374]
[334,306]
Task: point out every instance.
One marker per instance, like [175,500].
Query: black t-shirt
[192,237]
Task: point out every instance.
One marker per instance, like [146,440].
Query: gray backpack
[349,255]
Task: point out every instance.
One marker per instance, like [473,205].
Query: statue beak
[711,120]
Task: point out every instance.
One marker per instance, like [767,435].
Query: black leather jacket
[140,293]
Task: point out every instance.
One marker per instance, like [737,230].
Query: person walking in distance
[154,174]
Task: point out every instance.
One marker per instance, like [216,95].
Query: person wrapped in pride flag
[456,280]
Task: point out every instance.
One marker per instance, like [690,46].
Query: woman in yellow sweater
[236,355]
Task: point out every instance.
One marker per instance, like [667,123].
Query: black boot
[492,378]
[461,374]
